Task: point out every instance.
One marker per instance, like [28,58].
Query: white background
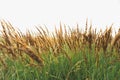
[30,13]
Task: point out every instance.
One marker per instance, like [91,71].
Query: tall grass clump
[66,54]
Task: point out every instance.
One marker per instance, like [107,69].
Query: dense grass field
[66,54]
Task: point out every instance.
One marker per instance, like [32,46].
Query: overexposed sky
[30,13]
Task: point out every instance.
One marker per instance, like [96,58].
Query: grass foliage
[67,54]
